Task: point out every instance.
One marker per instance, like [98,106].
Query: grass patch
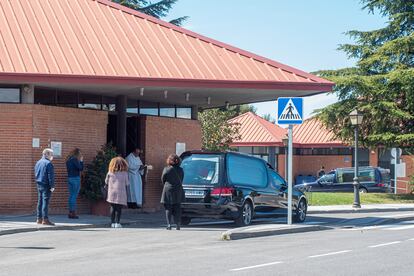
[322,199]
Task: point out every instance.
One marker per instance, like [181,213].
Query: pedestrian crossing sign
[290,111]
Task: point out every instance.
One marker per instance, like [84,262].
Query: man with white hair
[45,180]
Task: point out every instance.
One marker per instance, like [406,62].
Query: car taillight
[222,191]
[381,185]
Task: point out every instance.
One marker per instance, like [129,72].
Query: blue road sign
[290,111]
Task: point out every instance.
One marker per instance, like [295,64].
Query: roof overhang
[219,91]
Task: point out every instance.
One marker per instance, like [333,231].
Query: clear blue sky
[301,33]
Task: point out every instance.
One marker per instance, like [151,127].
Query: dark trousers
[173,210]
[116,210]
[43,198]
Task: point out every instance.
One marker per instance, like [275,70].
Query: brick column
[373,157]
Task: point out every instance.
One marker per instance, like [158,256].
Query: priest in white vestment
[135,171]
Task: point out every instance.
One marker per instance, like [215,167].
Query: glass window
[90,101]
[327,178]
[345,176]
[260,150]
[244,170]
[366,175]
[277,180]
[132,107]
[66,99]
[44,96]
[9,95]
[201,169]
[167,111]
[108,104]
[247,150]
[184,112]
[147,108]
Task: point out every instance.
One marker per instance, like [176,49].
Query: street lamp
[356,120]
[285,141]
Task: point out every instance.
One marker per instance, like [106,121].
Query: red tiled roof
[312,133]
[256,131]
[98,39]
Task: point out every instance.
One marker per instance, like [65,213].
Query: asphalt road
[361,250]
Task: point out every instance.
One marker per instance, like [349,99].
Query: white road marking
[384,244]
[411,239]
[402,227]
[393,216]
[255,266]
[329,254]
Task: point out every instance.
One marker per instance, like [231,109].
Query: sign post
[396,153]
[290,112]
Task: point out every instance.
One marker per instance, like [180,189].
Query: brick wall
[403,182]
[85,129]
[161,136]
[310,164]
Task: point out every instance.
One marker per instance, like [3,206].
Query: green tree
[268,117]
[217,132]
[381,85]
[158,9]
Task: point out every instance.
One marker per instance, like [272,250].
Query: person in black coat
[173,193]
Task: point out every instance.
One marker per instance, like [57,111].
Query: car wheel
[185,220]
[363,190]
[300,212]
[245,215]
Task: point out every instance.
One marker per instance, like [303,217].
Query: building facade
[82,73]
[313,147]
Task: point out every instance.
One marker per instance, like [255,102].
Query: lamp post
[356,120]
[285,141]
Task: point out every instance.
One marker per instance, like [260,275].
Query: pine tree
[158,9]
[381,85]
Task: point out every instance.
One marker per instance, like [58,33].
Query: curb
[362,210]
[232,235]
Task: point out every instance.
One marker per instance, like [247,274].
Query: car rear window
[201,169]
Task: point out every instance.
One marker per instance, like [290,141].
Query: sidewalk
[26,223]
[365,208]
[10,224]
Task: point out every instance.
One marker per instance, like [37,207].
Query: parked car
[229,185]
[371,179]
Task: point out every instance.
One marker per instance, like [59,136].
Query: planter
[100,208]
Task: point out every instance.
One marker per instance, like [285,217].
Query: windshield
[201,169]
[327,178]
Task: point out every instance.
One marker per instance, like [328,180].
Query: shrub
[95,174]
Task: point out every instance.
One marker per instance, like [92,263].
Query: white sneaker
[118,225]
[113,225]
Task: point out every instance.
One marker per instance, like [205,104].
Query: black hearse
[230,185]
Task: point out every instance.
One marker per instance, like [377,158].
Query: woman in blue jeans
[74,166]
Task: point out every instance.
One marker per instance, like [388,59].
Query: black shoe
[168,227]
[178,227]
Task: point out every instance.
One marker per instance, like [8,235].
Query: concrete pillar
[194,112]
[27,94]
[272,156]
[121,124]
